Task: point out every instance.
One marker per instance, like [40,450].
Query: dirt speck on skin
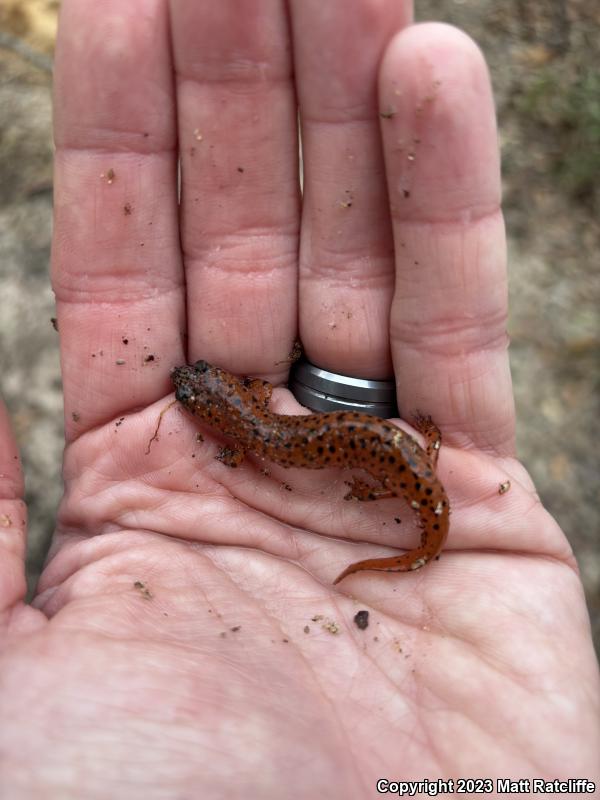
[331,627]
[543,61]
[361,620]
[141,587]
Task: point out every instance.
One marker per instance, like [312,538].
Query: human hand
[182,640]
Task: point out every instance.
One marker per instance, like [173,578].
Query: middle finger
[239,167]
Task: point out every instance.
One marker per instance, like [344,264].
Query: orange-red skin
[239,409]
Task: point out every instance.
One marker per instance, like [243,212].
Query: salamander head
[192,382]
[204,389]
[203,366]
[183,381]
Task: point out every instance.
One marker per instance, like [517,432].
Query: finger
[116,262]
[13,520]
[346,253]
[240,193]
[448,322]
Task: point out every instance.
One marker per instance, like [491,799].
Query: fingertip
[438,124]
[434,38]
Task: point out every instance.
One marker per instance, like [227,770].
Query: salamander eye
[202,366]
[184,393]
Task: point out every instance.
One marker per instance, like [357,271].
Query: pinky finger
[448,317]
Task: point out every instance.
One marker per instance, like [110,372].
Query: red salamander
[400,467]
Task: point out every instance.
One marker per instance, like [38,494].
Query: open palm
[186,639]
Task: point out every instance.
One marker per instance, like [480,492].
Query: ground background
[544,61]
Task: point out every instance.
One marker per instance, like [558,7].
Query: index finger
[116,263]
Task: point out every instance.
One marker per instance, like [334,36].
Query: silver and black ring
[322,390]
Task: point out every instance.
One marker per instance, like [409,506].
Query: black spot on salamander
[331,448]
[417,486]
[429,490]
[320,449]
[352,444]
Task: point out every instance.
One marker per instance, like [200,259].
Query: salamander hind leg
[433,436]
[230,457]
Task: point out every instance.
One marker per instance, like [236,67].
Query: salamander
[399,466]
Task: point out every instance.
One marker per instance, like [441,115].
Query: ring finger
[346,249]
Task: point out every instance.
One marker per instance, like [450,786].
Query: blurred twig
[22,49]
